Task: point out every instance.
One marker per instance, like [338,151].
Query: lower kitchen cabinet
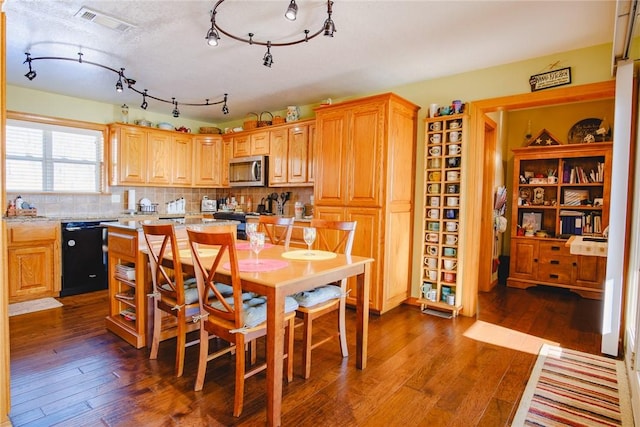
[33,259]
[127,292]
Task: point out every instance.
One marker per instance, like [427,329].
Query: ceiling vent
[104,20]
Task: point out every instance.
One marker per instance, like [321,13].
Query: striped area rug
[570,388]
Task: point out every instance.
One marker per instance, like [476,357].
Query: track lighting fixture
[122,79]
[119,82]
[31,74]
[292,11]
[175,112]
[327,29]
[144,104]
[268,59]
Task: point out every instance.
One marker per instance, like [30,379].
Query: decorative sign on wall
[550,79]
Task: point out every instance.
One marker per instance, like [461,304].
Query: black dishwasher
[84,257]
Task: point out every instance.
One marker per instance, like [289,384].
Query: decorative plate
[588,130]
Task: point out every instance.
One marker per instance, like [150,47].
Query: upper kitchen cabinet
[182,170]
[145,156]
[255,143]
[227,154]
[128,155]
[210,164]
[289,160]
[365,165]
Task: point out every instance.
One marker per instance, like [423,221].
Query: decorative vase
[125,113]
[293,113]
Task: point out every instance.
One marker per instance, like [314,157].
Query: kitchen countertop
[128,224]
[125,217]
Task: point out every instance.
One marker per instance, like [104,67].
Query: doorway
[487,147]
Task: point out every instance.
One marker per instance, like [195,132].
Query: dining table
[279,271]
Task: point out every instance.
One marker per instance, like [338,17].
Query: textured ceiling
[378,45]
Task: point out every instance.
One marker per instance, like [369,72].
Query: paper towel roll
[131,200]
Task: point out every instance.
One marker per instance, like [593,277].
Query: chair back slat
[277,229]
[335,236]
[167,279]
[205,271]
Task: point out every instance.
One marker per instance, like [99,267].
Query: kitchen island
[130,315]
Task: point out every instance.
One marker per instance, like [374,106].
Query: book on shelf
[571,222]
[577,174]
[126,296]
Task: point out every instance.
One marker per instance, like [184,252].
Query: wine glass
[250,228]
[257,243]
[309,234]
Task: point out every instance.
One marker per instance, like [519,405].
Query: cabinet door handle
[553,276]
[535,260]
[555,262]
[555,248]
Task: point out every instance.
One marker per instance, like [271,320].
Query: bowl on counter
[165,126]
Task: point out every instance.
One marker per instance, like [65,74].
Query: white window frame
[27,117]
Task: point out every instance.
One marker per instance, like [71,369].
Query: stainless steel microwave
[248,171]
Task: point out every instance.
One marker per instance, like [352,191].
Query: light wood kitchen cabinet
[33,249]
[311,164]
[209,161]
[297,154]
[182,170]
[260,143]
[289,159]
[241,145]
[278,157]
[365,171]
[129,154]
[148,156]
[160,157]
[227,154]
[255,143]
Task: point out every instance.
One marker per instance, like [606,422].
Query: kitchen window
[58,158]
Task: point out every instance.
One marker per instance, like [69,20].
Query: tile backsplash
[114,204]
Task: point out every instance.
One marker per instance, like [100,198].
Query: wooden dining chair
[277,229]
[333,236]
[174,296]
[238,319]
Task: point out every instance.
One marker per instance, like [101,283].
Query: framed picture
[532,221]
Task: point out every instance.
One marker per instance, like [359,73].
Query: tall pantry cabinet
[365,171]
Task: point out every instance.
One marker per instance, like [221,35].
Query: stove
[235,216]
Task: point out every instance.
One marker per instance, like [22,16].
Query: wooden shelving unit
[442,225]
[127,293]
[547,210]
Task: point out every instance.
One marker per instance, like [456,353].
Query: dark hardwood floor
[67,370]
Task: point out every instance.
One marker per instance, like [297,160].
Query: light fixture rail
[122,80]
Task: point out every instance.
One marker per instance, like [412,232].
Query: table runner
[305,255]
[250,265]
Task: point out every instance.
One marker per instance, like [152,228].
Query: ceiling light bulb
[119,82]
[212,37]
[144,104]
[292,11]
[31,75]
